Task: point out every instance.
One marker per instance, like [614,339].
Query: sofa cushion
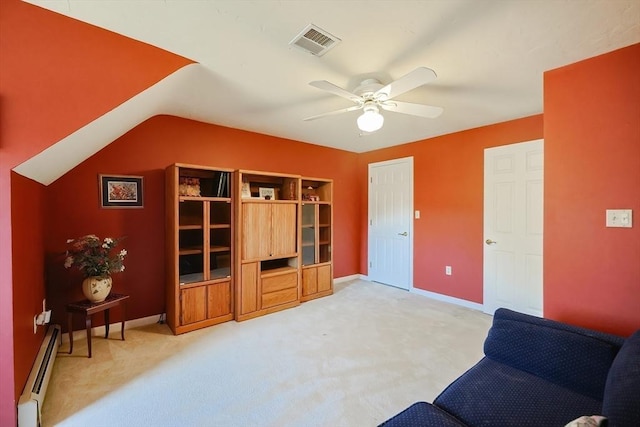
[621,403]
[422,414]
[494,394]
[570,356]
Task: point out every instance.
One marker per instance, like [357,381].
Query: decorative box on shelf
[189,186]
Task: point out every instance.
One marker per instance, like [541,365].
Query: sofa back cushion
[621,403]
[573,357]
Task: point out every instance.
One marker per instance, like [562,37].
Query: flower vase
[96,288]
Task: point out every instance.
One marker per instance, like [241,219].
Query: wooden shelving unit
[199,248]
[268,265]
[317,238]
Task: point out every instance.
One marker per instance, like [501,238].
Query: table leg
[106,323]
[88,323]
[70,326]
[124,317]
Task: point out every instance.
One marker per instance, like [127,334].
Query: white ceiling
[489,55]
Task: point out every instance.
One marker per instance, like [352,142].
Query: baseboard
[446,298]
[113,328]
[432,295]
[347,278]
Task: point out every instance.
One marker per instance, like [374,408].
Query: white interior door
[513,223]
[391,222]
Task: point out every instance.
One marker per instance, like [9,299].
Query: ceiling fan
[371,96]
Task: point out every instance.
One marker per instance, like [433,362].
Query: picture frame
[267,193]
[121,191]
[246,190]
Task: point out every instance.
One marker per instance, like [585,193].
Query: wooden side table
[89,308]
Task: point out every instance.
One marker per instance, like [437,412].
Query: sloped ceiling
[489,56]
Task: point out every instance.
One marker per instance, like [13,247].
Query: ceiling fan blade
[419,110]
[336,90]
[417,77]
[331,113]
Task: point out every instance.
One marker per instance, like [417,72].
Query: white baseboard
[446,298]
[347,278]
[113,328]
[432,295]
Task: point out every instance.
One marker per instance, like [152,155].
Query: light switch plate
[619,218]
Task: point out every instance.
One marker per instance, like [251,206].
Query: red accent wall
[147,150]
[448,191]
[56,75]
[592,163]
[27,212]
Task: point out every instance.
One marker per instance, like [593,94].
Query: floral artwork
[120,191]
[95,257]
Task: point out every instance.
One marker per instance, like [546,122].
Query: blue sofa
[539,372]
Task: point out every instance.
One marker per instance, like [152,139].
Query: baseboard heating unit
[30,403]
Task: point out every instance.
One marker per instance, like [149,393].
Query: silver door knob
[490,242]
[403,234]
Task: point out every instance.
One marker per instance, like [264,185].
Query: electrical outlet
[447,270]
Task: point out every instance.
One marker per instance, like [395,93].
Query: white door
[513,220]
[391,222]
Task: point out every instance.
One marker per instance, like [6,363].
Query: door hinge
[371,180]
[370,264]
[370,222]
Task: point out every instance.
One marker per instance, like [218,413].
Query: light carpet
[355,358]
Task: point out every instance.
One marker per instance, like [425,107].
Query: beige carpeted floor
[352,359]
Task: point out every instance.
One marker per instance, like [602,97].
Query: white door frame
[409,162]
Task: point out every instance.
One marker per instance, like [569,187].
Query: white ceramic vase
[96,288]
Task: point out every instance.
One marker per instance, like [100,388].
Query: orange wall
[28,266]
[448,188]
[147,150]
[56,75]
[592,163]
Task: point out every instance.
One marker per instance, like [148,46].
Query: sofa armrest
[621,403]
[422,414]
[570,356]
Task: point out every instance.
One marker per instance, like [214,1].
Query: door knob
[402,234]
[490,242]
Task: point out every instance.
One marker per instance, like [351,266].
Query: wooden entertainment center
[242,244]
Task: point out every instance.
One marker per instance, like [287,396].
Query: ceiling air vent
[314,40]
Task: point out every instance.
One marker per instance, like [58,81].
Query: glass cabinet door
[220,240]
[309,234]
[324,233]
[190,241]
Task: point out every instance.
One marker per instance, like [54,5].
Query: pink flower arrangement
[95,257]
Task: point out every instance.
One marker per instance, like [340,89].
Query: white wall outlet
[416,214]
[619,218]
[447,270]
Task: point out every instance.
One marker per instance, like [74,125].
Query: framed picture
[120,191]
[246,190]
[267,193]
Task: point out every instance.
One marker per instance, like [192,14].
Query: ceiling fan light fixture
[371,120]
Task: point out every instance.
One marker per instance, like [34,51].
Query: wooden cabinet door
[193,305]
[283,226]
[324,278]
[249,288]
[218,299]
[256,230]
[309,281]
